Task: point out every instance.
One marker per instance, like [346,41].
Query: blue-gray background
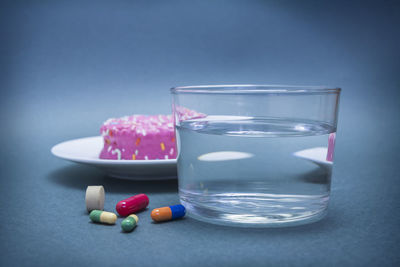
[66,66]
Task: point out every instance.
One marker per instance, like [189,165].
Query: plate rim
[300,154]
[106,161]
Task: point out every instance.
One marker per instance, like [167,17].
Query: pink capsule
[132,205]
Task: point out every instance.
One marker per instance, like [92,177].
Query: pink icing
[331,147]
[187,114]
[139,137]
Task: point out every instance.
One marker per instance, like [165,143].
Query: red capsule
[132,205]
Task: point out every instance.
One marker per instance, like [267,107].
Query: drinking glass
[255,155]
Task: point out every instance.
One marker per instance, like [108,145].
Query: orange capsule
[168,213]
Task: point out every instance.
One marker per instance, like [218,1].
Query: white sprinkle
[118,152]
[136,152]
[144,132]
[109,148]
[171,151]
[123,150]
[160,118]
[169,124]
[146,157]
[108,121]
[166,156]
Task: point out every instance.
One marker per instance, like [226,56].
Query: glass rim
[253,89]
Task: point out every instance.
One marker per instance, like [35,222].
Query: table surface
[70,67]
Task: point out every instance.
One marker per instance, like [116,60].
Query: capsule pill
[129,223]
[105,217]
[132,205]
[168,213]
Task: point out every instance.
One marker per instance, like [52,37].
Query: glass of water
[255,155]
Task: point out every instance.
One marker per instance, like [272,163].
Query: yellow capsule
[100,216]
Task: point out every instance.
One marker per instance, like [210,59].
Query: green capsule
[129,223]
[100,216]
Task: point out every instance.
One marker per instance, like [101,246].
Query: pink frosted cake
[139,137]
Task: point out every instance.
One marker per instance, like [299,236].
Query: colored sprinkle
[108,141]
[173,139]
[133,156]
[110,133]
[137,141]
[162,146]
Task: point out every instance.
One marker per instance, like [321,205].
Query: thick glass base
[255,210]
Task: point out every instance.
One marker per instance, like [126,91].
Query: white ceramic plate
[87,150]
[316,155]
